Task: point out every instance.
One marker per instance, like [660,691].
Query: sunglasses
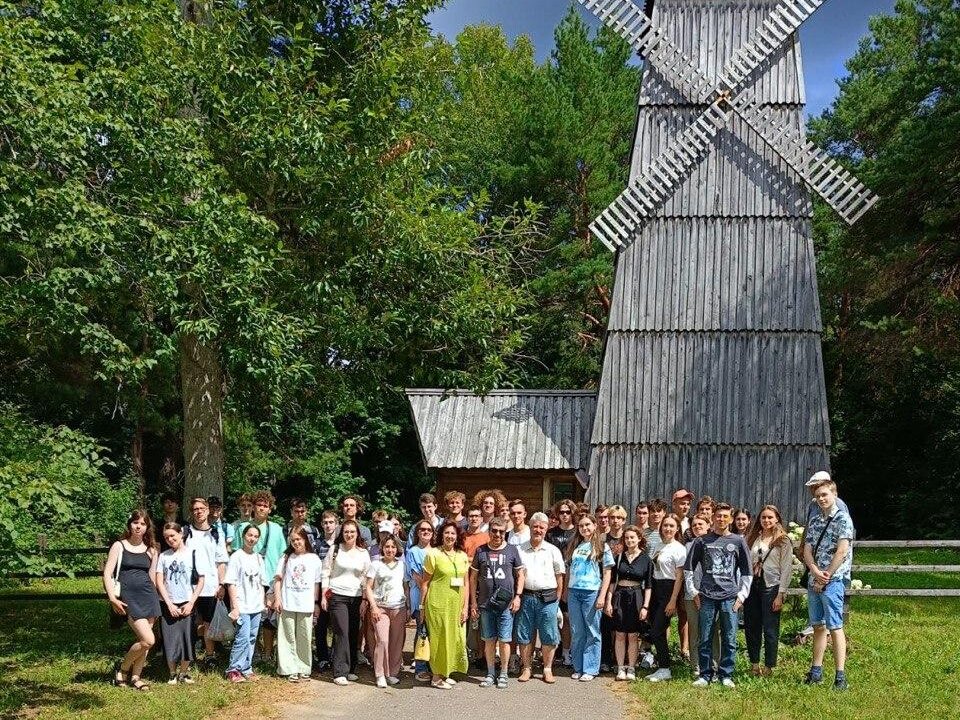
[496,532]
[565,512]
[425,530]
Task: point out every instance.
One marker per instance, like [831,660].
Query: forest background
[231,233]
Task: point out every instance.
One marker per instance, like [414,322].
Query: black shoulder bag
[805,577]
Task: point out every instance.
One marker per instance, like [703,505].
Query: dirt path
[322,700]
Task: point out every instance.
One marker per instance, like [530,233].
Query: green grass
[904,661]
[56,657]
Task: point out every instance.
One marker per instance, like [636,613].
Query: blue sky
[828,38]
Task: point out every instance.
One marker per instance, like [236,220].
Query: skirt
[627,602]
[177,637]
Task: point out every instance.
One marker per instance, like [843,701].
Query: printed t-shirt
[725,560]
[560,538]
[388,583]
[270,546]
[245,571]
[299,577]
[586,574]
[495,569]
[177,571]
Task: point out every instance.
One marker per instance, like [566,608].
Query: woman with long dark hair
[667,580]
[128,582]
[444,602]
[344,573]
[771,552]
[590,561]
[296,596]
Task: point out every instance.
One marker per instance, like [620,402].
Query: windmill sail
[712,374]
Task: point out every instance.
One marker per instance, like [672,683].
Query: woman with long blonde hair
[771,552]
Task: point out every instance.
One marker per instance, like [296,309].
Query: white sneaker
[341,681]
[621,673]
[647,660]
[659,675]
[586,678]
[701,682]
[631,674]
[351,677]
[728,683]
[393,680]
[575,676]
[381,682]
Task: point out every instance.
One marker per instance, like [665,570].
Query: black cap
[214,500]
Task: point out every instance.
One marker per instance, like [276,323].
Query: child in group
[179,582]
[296,600]
[245,580]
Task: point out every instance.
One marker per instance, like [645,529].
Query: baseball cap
[385,526]
[682,493]
[821,476]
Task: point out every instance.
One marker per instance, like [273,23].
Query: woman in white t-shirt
[388,611]
[245,580]
[179,582]
[343,578]
[296,595]
[667,580]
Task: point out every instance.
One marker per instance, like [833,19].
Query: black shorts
[203,609]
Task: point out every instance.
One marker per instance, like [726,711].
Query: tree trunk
[201,388]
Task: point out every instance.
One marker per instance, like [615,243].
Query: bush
[57,495]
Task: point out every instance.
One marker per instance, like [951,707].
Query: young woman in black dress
[130,565]
[628,600]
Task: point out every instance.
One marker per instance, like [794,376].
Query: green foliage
[890,286]
[56,494]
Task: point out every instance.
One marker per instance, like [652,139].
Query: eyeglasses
[425,530]
[496,532]
[474,517]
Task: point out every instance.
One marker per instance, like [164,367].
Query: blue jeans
[241,654]
[711,612]
[584,631]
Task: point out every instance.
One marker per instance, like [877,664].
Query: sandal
[137,684]
[119,676]
[502,682]
[441,685]
[488,681]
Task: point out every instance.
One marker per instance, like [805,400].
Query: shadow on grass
[18,698]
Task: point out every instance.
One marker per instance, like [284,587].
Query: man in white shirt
[519,530]
[203,539]
[543,583]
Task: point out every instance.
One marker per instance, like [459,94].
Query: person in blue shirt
[827,555]
[422,532]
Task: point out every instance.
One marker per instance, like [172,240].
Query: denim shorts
[535,616]
[496,625]
[826,608]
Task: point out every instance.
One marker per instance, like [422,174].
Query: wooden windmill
[712,373]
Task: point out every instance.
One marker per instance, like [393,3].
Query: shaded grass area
[904,660]
[56,658]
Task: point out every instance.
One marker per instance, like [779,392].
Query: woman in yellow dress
[443,592]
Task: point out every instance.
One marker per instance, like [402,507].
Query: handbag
[116,576]
[805,577]
[421,646]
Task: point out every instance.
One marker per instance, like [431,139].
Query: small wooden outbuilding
[531,444]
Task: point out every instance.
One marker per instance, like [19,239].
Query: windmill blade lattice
[615,226]
[839,188]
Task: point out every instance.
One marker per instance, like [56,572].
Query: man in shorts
[496,586]
[827,553]
[544,569]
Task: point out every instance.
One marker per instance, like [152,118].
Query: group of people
[592,589]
